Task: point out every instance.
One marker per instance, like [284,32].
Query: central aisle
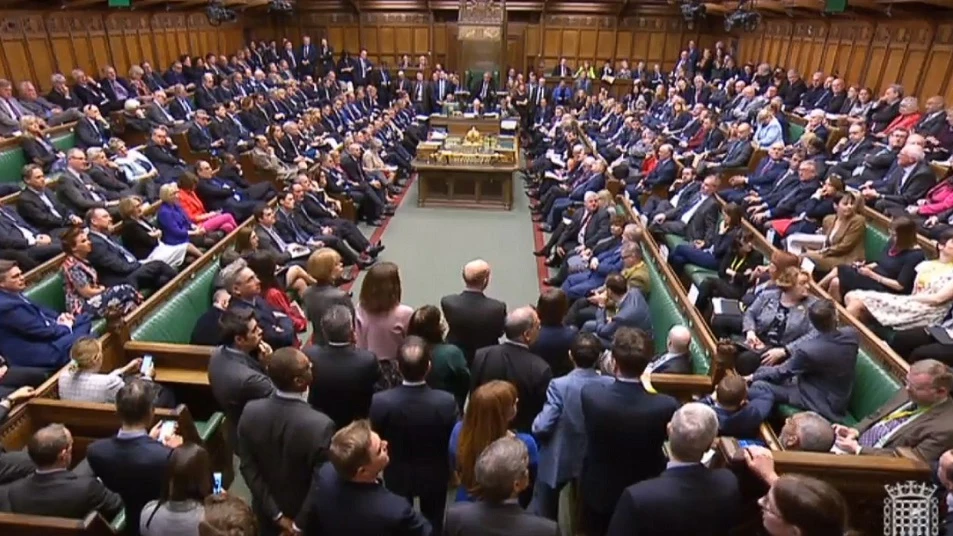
[431,245]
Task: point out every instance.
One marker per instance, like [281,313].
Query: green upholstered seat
[873,387]
[795,132]
[173,321]
[673,241]
[666,313]
[13,159]
[65,141]
[207,429]
[875,240]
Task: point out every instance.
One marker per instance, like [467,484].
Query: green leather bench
[875,240]
[13,159]
[795,132]
[873,387]
[666,313]
[49,292]
[173,321]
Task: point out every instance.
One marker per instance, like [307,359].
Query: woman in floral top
[84,294]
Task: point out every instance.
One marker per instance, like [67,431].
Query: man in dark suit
[677,358]
[181,105]
[307,57]
[735,154]
[695,219]
[54,490]
[878,162]
[933,120]
[820,375]
[484,90]
[18,235]
[628,308]
[236,370]
[474,319]
[625,430]
[245,288]
[416,422]
[78,191]
[164,155]
[586,228]
[512,361]
[348,496]
[501,473]
[133,463]
[115,264]
[284,441]
[158,113]
[850,151]
[375,200]
[345,385]
[205,332]
[906,183]
[205,97]
[92,130]
[687,498]
[40,208]
[200,135]
[765,175]
[664,173]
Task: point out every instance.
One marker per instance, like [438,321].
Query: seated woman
[822,204]
[84,294]
[448,365]
[272,289]
[926,306]
[710,255]
[38,146]
[82,380]
[246,244]
[175,225]
[893,272]
[777,321]
[213,222]
[734,273]
[583,261]
[145,242]
[842,241]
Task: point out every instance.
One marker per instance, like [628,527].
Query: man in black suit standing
[133,462]
[416,422]
[625,430]
[711,498]
[54,490]
[475,320]
[348,496]
[116,264]
[512,361]
[345,385]
[236,370]
[284,441]
[502,473]
[307,58]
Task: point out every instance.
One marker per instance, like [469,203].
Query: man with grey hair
[158,113]
[61,95]
[807,431]
[502,473]
[43,108]
[908,181]
[92,130]
[513,361]
[345,385]
[659,505]
[474,319]
[677,358]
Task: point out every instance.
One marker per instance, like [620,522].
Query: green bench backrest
[65,141]
[173,321]
[49,291]
[795,132]
[13,159]
[873,387]
[666,313]
[875,240]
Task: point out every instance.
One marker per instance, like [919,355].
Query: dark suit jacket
[338,506]
[931,124]
[200,140]
[112,180]
[703,225]
[156,117]
[205,99]
[30,336]
[919,182]
[664,173]
[37,153]
[179,110]
[236,378]
[737,154]
[63,101]
[88,135]
[625,430]
[345,385]
[206,330]
[164,159]
[135,468]
[317,301]
[137,240]
[277,329]
[689,499]
[475,321]
[485,519]
[37,214]
[596,229]
[283,442]
[416,421]
[516,364]
[110,263]
[60,494]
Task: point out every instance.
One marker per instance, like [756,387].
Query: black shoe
[375,250]
[365,264]
[541,253]
[545,228]
[554,262]
[389,211]
[374,223]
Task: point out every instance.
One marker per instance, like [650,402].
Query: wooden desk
[457,125]
[465,186]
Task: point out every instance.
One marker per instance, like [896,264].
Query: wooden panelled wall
[595,38]
[34,45]
[915,53]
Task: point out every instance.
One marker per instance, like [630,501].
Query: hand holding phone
[166,431]
[148,365]
[217,484]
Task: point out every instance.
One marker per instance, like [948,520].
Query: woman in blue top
[492,406]
[174,223]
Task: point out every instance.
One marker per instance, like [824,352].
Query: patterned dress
[901,312]
[78,274]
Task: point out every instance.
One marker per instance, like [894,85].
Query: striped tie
[875,434]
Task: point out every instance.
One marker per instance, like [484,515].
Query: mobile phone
[147,365]
[167,429]
[745,443]
[217,483]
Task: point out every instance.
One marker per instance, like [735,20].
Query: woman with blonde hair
[38,146]
[82,380]
[382,320]
[488,415]
[325,268]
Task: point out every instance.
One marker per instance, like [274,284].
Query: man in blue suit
[663,175]
[820,375]
[133,462]
[768,171]
[32,335]
[560,429]
[628,308]
[625,430]
[687,498]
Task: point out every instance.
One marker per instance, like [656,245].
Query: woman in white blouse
[83,382]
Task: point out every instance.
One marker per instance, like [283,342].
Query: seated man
[164,155]
[789,201]
[218,193]
[277,329]
[116,264]
[594,181]
[18,235]
[200,136]
[621,306]
[735,153]
[694,219]
[919,417]
[32,335]
[740,411]
[316,209]
[291,228]
[807,432]
[820,375]
[766,174]
[137,168]
[677,358]
[663,175]
[625,258]
[206,330]
[587,227]
[905,184]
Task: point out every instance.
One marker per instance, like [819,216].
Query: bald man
[475,320]
[676,359]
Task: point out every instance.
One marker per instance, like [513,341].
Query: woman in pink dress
[382,319]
